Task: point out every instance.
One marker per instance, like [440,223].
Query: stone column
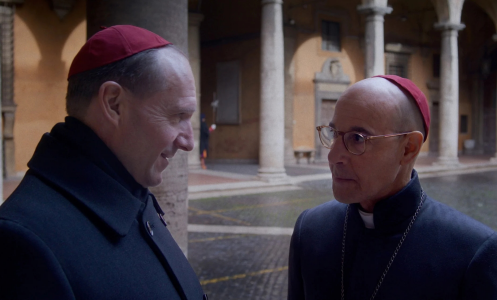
[272,120]
[290,41]
[168,19]
[374,38]
[7,11]
[449,95]
[494,159]
[194,20]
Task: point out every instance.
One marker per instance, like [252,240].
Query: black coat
[204,137]
[76,228]
[446,254]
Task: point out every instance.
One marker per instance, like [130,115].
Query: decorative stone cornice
[264,2]
[332,72]
[449,26]
[371,9]
[398,48]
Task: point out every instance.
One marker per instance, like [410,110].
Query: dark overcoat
[73,230]
[446,255]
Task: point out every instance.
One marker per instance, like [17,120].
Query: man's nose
[185,139]
[338,151]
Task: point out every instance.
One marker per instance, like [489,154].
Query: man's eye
[357,138]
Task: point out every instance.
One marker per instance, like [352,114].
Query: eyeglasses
[354,142]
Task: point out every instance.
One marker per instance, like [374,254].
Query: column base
[452,162]
[194,166]
[272,174]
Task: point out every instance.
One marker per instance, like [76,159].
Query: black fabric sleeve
[480,280]
[295,281]
[28,268]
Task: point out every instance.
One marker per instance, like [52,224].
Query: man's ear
[412,146]
[110,100]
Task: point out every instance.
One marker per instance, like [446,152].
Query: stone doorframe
[329,84]
[7,11]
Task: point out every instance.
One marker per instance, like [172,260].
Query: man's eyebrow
[360,130]
[354,128]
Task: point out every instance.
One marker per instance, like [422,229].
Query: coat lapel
[175,262]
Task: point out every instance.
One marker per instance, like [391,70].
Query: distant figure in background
[204,139]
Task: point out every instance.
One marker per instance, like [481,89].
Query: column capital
[374,9]
[264,2]
[194,19]
[449,26]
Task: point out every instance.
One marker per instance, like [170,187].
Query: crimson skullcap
[112,44]
[410,88]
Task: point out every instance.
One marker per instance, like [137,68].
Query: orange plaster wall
[420,71]
[234,141]
[309,59]
[44,48]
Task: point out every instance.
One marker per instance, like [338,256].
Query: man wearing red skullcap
[82,224]
[383,237]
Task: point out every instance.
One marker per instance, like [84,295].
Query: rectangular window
[463,124]
[399,70]
[228,92]
[330,34]
[397,64]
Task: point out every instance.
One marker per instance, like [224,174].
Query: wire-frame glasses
[354,142]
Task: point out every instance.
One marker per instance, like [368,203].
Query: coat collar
[392,213]
[68,168]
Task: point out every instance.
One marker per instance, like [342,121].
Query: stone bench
[304,152]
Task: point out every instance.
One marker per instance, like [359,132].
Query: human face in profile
[159,125]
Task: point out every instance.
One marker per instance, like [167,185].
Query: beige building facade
[269,71]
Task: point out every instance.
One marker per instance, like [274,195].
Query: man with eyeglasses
[384,238]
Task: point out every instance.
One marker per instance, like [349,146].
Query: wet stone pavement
[255,266]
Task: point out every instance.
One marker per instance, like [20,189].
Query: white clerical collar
[367,218]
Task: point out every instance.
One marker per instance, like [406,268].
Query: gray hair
[139,74]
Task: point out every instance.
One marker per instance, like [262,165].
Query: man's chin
[156,181]
[344,197]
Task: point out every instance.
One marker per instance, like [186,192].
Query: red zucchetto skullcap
[112,44]
[409,87]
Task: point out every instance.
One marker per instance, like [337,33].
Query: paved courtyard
[238,245]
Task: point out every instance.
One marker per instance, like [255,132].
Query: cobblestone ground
[247,266]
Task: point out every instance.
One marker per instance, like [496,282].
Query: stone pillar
[272,121]
[449,95]
[374,38]
[7,11]
[168,19]
[290,41]
[494,159]
[194,20]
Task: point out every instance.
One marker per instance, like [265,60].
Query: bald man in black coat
[383,237]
